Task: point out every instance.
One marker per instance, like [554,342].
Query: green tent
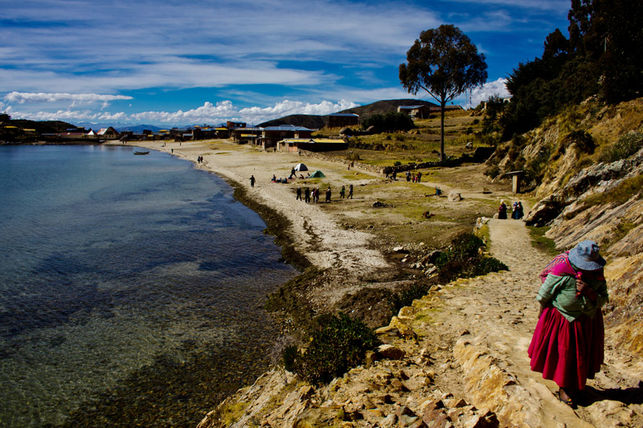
[317,174]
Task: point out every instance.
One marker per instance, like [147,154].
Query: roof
[286,128]
[411,107]
[249,136]
[344,114]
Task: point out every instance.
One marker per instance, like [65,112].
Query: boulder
[454,196]
[390,352]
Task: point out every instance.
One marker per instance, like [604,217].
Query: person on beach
[342,192]
[567,344]
[328,194]
[298,198]
[419,176]
[350,192]
[307,195]
[252,181]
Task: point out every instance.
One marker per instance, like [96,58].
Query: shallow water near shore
[131,288]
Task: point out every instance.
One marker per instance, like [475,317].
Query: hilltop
[318,121]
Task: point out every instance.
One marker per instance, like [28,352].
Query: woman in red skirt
[567,345]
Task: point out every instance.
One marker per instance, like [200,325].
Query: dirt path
[489,321]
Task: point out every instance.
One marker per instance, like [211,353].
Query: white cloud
[495,88]
[25,97]
[207,113]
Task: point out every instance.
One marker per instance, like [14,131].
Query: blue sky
[172,62]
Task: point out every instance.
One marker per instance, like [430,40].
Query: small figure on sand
[350,192]
[274,178]
[298,198]
[293,173]
[502,210]
[252,181]
[342,192]
[328,194]
[307,195]
[419,176]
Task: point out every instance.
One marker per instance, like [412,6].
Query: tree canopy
[444,63]
[601,57]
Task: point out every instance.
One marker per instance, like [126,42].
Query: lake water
[131,288]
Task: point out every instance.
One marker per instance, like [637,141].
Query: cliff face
[584,195]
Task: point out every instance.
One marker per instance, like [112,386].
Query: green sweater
[560,292]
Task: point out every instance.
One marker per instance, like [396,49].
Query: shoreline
[308,235]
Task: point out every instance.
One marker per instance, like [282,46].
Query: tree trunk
[442,156]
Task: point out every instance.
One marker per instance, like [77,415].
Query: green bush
[337,344]
[488,264]
[625,147]
[463,259]
[408,295]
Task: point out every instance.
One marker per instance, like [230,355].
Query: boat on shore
[142,153]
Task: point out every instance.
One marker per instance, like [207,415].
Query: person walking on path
[350,192]
[328,194]
[307,195]
[419,176]
[502,210]
[252,181]
[342,192]
[298,194]
[568,343]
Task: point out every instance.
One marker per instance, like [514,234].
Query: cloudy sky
[174,62]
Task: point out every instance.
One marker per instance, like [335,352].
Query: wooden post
[515,183]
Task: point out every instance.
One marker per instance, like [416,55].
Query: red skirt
[566,352]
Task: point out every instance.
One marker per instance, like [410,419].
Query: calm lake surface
[131,288]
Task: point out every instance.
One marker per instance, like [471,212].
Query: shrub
[407,295]
[488,264]
[625,147]
[338,344]
[464,259]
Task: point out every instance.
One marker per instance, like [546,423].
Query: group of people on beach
[309,195]
[199,159]
[517,211]
[410,176]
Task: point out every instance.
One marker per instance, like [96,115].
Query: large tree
[444,63]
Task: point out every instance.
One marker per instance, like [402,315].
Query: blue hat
[585,256]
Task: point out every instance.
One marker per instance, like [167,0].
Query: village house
[270,135]
[246,135]
[339,120]
[108,133]
[416,111]
[234,125]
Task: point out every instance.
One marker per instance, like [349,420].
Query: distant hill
[308,120]
[386,106]
[41,127]
[137,129]
[317,122]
